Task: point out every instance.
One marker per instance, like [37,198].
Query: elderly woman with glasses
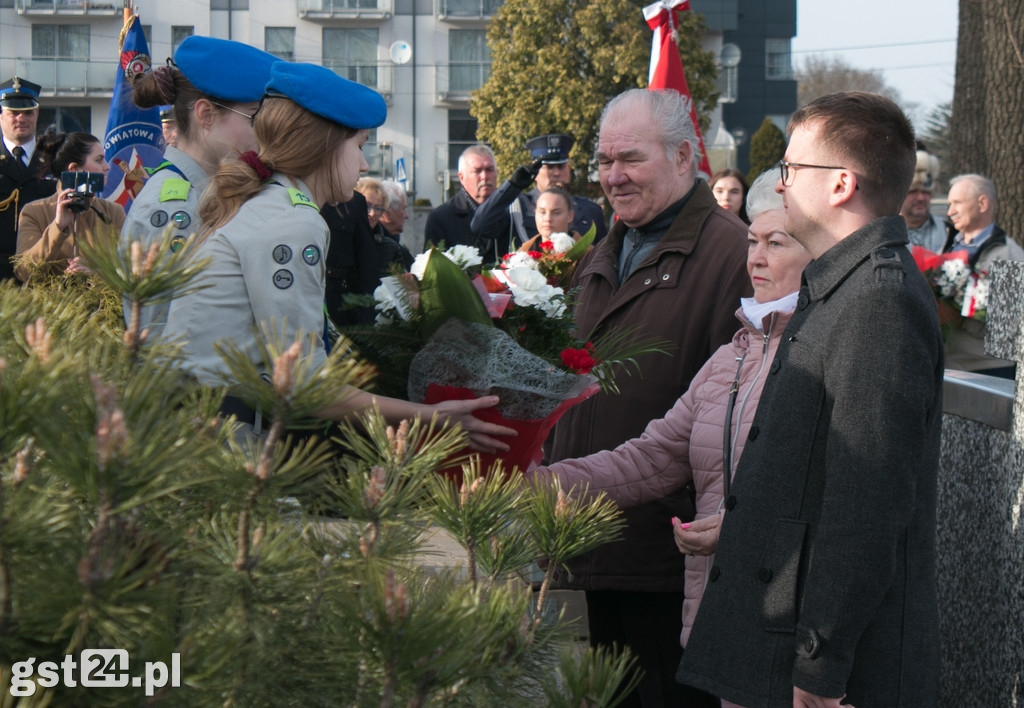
[214,87]
[699,441]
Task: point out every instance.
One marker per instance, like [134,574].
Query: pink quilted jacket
[687,443]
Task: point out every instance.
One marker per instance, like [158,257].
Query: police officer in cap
[214,86]
[168,126]
[21,167]
[549,168]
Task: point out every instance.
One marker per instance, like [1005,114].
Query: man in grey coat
[824,582]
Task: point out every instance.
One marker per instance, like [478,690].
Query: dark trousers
[649,623]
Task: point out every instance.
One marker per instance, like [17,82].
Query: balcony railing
[465,10]
[454,82]
[345,9]
[62,76]
[377,75]
[104,8]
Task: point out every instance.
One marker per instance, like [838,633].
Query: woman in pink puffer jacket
[688,444]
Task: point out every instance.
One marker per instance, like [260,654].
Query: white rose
[419,265]
[464,256]
[520,259]
[389,298]
[531,289]
[561,242]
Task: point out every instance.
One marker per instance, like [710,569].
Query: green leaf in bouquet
[446,292]
[586,241]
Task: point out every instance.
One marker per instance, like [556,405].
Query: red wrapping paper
[526,449]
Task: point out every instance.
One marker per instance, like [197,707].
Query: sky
[912,42]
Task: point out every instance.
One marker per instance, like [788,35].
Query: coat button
[715,572]
[666,276]
[764,575]
[885,253]
[776,365]
[803,301]
[647,281]
[730,503]
[754,432]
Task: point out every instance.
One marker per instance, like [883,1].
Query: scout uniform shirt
[168,201]
[267,270]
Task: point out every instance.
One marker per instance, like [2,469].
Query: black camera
[86,186]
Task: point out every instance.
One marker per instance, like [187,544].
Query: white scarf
[756,311]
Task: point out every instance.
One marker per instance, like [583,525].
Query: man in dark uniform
[21,167]
[550,168]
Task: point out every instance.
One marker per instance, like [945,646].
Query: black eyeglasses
[374,208]
[252,117]
[784,169]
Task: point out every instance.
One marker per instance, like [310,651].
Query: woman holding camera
[50,229]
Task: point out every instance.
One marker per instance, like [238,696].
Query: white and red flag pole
[666,66]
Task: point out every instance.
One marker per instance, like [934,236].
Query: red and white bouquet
[449,330]
[960,289]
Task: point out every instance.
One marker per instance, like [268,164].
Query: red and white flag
[666,66]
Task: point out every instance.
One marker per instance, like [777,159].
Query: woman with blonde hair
[266,240]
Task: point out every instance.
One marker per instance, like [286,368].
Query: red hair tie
[253,160]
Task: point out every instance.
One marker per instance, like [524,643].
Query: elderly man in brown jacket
[673,266]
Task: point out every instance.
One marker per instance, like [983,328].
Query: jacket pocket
[779,572]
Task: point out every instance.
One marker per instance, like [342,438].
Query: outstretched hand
[481,433]
[697,538]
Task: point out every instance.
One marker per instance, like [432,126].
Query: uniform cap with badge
[323,92]
[225,69]
[17,94]
[166,114]
[552,149]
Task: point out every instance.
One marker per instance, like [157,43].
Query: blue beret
[19,95]
[224,69]
[321,91]
[550,149]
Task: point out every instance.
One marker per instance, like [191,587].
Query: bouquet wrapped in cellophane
[448,331]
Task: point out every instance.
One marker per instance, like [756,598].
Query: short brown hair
[872,135]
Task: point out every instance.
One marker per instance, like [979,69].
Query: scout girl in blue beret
[214,87]
[266,240]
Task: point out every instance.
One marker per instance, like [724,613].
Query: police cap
[550,149]
[321,91]
[19,95]
[166,114]
[224,69]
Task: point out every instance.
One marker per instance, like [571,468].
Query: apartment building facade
[424,56]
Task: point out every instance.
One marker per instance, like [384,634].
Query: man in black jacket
[450,222]
[21,167]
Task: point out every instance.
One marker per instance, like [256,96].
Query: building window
[179,33]
[147,30]
[280,41]
[778,59]
[66,119]
[461,134]
[60,42]
[469,60]
[470,8]
[352,52]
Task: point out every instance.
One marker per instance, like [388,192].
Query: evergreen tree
[767,147]
[133,517]
[556,63]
